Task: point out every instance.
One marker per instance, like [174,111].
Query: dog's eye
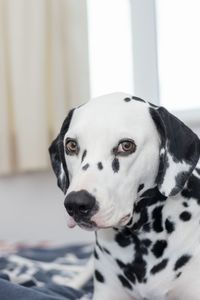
[126,147]
[71,147]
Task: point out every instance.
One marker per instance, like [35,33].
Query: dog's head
[111,148]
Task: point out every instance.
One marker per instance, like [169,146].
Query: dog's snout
[79,204]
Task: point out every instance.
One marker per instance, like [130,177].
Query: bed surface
[43,273]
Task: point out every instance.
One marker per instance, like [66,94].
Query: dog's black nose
[79,204]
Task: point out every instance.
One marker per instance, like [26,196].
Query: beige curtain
[43,72]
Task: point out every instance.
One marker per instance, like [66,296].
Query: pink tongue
[70,222]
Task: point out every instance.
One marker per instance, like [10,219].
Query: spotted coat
[132,174]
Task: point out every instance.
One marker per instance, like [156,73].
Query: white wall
[31,209]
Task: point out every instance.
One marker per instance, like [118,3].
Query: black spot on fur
[153,105]
[143,219]
[106,250]
[96,254]
[144,250]
[135,270]
[127,269]
[123,238]
[115,165]
[138,99]
[99,277]
[192,190]
[85,167]
[180,180]
[185,216]
[157,219]
[124,282]
[146,242]
[159,267]
[98,245]
[146,227]
[100,166]
[181,261]
[178,275]
[127,99]
[185,204]
[129,273]
[120,264]
[148,198]
[159,248]
[138,267]
[141,186]
[84,155]
[169,226]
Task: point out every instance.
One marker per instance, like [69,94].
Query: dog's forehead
[112,113]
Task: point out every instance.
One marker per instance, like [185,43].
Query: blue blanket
[44,274]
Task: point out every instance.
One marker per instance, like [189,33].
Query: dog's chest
[131,263]
[147,263]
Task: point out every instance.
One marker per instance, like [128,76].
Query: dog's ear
[57,156]
[179,153]
[57,164]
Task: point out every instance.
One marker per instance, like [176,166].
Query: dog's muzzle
[80,205]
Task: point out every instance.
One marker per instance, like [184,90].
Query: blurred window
[110,46]
[178,34]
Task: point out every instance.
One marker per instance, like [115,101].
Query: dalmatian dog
[130,171]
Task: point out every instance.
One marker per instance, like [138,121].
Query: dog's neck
[149,207]
[141,219]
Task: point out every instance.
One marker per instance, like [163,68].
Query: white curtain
[43,72]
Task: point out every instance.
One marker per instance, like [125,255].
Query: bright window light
[178,25]
[110,46]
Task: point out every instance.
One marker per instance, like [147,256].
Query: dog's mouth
[84,224]
[91,225]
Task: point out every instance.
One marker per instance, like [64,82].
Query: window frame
[144,39]
[145,57]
